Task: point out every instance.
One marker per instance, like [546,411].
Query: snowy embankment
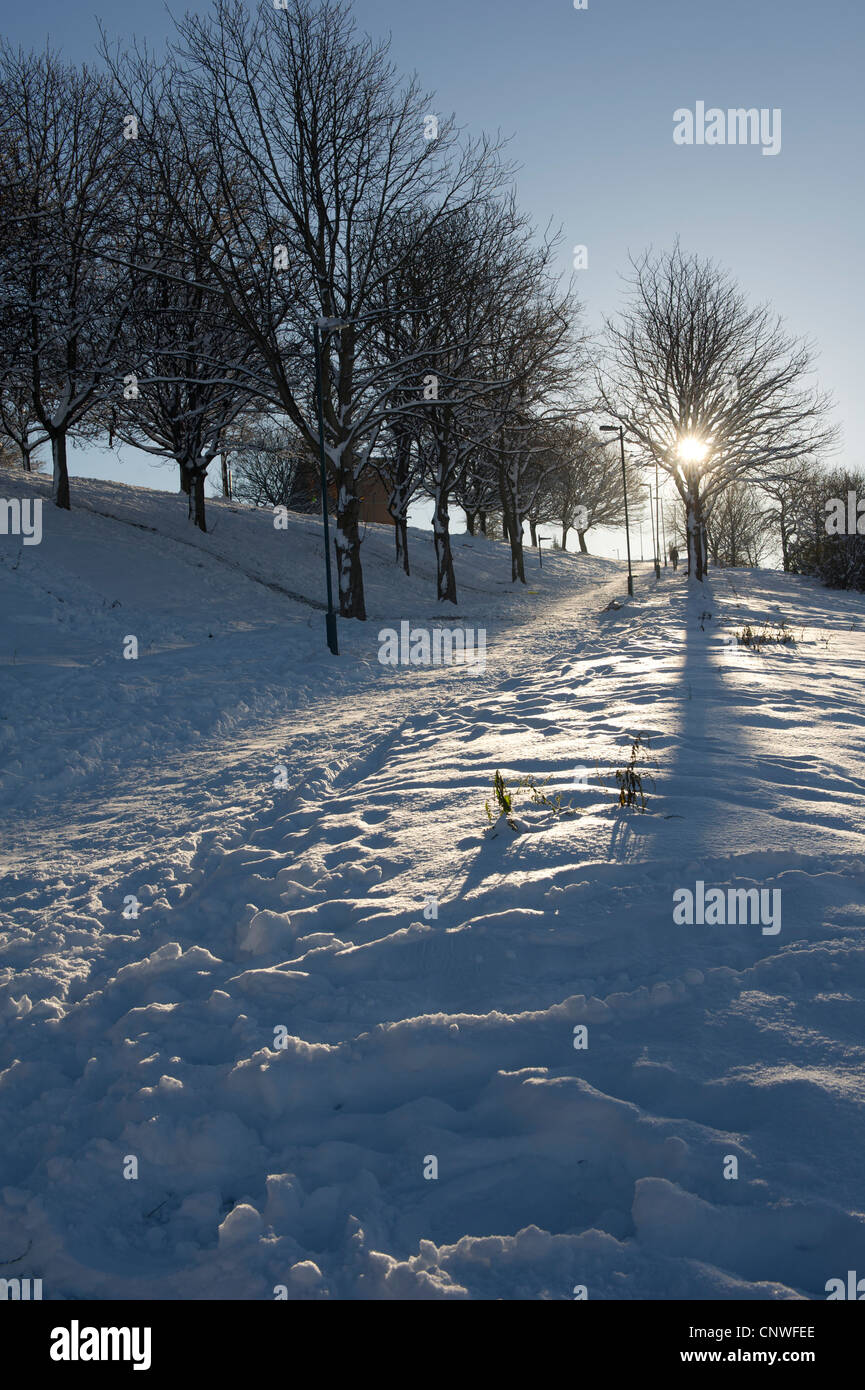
[339,1037]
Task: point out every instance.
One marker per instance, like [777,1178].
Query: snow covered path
[328,1089]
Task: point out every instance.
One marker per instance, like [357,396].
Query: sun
[692,450]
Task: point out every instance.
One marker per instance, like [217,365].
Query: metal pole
[330,617]
[627,530]
[657,524]
[657,516]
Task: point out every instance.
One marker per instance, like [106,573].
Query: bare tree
[708,387]
[487,294]
[315,154]
[736,529]
[273,466]
[455,298]
[527,464]
[419,323]
[793,494]
[63,217]
[830,538]
[187,361]
[453,295]
[477,491]
[397,463]
[18,422]
[586,486]
[539,356]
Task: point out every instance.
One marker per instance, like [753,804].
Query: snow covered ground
[337,987]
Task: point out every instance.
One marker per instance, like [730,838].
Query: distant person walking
[674,557]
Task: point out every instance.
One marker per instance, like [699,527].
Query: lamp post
[618,429]
[657,524]
[659,521]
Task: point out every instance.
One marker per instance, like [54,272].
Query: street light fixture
[618,429]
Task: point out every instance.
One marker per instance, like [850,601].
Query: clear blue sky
[589,95]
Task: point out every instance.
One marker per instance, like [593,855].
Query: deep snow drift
[335,987]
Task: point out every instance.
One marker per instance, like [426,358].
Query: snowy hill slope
[215,609]
[284,1039]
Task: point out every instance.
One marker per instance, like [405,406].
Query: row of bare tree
[173,228]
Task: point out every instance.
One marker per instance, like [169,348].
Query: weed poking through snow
[632,777]
[756,638]
[503,799]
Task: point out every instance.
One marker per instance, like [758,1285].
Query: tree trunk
[446,579]
[400,531]
[584,549]
[26,451]
[533,529]
[518,571]
[185,478]
[785,546]
[401,494]
[60,485]
[696,534]
[819,533]
[196,498]
[470,522]
[226,489]
[482,517]
[347,545]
